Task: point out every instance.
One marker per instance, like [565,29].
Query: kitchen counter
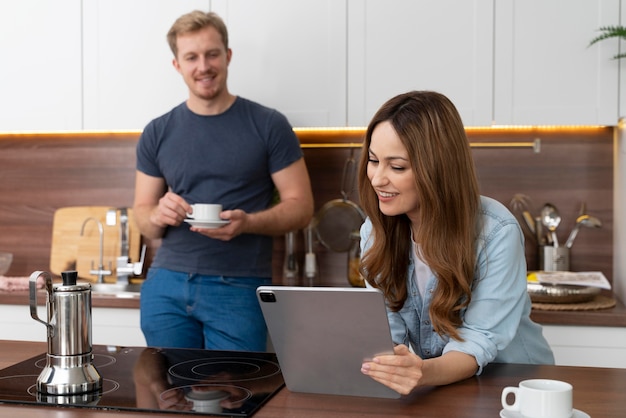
[597,391]
[578,338]
[97,301]
[115,320]
[613,317]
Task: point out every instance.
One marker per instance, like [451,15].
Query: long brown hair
[431,129]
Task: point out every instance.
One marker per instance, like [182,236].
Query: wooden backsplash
[574,166]
[43,172]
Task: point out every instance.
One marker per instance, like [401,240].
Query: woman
[449,261]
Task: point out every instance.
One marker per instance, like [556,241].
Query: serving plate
[207,224]
[550,293]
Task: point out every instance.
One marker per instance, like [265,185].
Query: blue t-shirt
[227,159]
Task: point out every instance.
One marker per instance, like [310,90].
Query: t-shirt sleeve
[284,146]
[146,152]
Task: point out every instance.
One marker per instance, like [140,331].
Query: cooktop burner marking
[28,377]
[108,386]
[260,380]
[220,369]
[22,380]
[99,360]
[224,369]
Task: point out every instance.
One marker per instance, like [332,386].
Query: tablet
[321,336]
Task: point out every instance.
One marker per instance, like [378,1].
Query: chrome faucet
[124,267]
[100,272]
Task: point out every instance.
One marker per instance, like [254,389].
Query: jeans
[194,311]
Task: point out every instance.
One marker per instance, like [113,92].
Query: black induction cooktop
[183,381]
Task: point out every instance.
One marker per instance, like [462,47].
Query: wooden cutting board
[73,251]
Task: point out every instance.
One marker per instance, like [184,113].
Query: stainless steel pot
[69,361]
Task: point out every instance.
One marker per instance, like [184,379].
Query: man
[214,148]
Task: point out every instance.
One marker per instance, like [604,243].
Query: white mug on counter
[540,398]
[206,212]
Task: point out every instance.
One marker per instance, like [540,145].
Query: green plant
[611,32]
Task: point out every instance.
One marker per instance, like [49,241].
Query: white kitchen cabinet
[294,64]
[110,326]
[587,346]
[116,326]
[544,73]
[105,64]
[40,76]
[404,45]
[128,71]
[289,55]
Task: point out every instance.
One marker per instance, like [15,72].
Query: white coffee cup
[206,212]
[540,398]
[207,401]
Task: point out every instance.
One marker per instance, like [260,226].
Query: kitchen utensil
[541,239]
[553,258]
[354,261]
[69,368]
[583,220]
[338,218]
[529,220]
[310,261]
[551,219]
[290,266]
[521,203]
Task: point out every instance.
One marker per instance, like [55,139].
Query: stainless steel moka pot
[69,366]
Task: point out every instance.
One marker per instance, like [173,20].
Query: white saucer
[512,414]
[206,224]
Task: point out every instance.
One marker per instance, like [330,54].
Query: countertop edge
[612,317]
[19,297]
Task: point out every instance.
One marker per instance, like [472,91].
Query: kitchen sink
[117,290]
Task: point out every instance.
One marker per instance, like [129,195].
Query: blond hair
[193,22]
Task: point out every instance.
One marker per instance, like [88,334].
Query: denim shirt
[496,326]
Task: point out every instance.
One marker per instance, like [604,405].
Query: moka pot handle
[33,297]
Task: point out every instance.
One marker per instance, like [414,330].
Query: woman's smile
[385,196]
[390,174]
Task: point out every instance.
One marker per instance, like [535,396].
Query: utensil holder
[553,258]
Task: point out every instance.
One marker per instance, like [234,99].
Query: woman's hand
[405,371]
[401,372]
